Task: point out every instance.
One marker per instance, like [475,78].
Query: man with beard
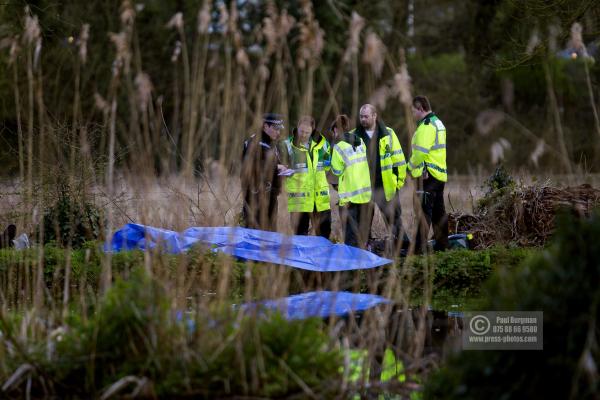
[387,167]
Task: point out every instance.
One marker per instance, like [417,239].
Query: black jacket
[373,151]
[259,165]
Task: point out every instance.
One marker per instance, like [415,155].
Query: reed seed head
[176,22]
[498,148]
[402,86]
[127,13]
[242,58]
[357,24]
[14,50]
[379,97]
[223,18]
[82,42]
[100,103]
[540,149]
[487,120]
[144,88]
[176,52]
[204,17]
[32,28]
[374,53]
[534,41]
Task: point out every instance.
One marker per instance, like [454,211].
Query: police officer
[428,161]
[261,184]
[307,188]
[349,163]
[387,167]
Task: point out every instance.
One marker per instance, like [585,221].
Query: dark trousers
[7,236]
[433,213]
[260,210]
[355,220]
[392,214]
[321,222]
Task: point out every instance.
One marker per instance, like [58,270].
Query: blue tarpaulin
[313,253]
[320,304]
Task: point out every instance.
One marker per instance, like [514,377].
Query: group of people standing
[370,169]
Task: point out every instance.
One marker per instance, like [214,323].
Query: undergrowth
[562,282]
[135,343]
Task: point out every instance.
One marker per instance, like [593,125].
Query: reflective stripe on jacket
[350,164]
[392,162]
[429,149]
[308,188]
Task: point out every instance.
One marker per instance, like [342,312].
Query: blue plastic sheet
[313,253]
[321,304]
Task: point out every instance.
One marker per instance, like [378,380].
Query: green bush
[134,332]
[71,221]
[562,281]
[463,272]
[458,274]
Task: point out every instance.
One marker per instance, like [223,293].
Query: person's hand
[281,168]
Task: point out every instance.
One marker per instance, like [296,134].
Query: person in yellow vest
[307,188]
[349,163]
[428,161]
[387,167]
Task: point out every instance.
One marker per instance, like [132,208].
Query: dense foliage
[135,343]
[457,274]
[71,221]
[561,281]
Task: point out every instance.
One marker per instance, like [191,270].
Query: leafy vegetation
[457,273]
[134,342]
[70,221]
[562,281]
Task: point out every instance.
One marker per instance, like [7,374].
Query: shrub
[71,220]
[562,281]
[463,272]
[134,333]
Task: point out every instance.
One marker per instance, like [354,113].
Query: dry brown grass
[176,202]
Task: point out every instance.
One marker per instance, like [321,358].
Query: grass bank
[455,275]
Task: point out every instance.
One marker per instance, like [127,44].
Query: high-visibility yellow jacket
[349,162]
[308,188]
[392,162]
[359,366]
[429,149]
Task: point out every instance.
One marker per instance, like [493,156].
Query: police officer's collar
[426,119]
[266,139]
